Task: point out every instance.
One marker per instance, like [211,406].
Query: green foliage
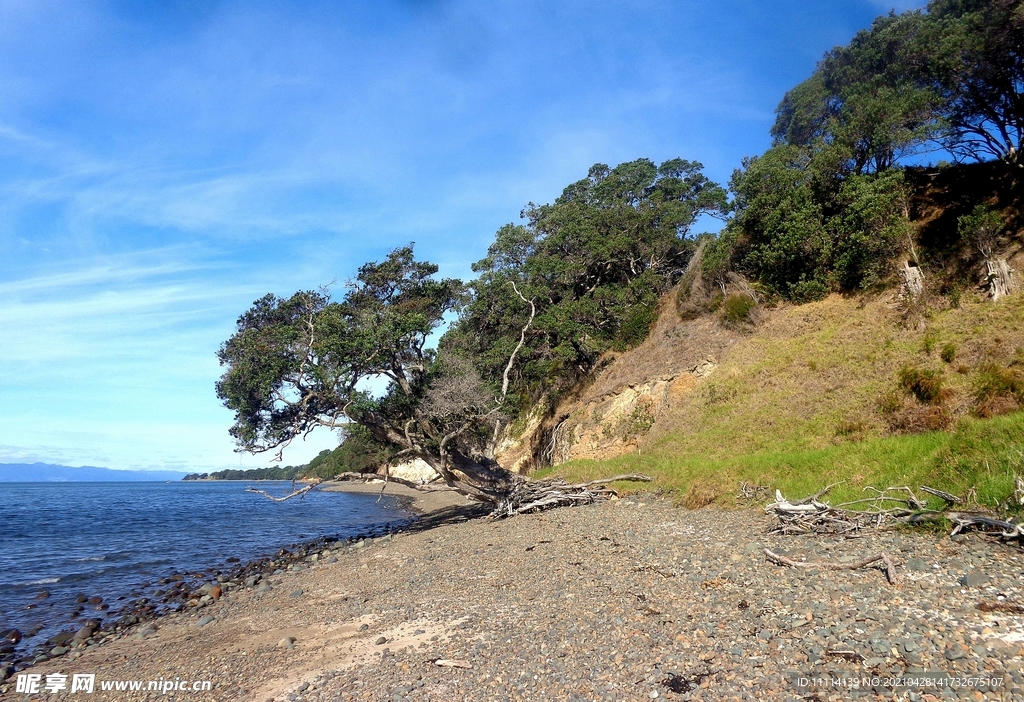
[634,327]
[594,262]
[358,453]
[825,209]
[923,383]
[950,76]
[865,107]
[297,363]
[928,343]
[981,228]
[948,353]
[737,309]
[981,454]
[806,234]
[973,54]
[271,473]
[640,420]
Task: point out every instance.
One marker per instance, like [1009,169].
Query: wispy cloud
[163,167]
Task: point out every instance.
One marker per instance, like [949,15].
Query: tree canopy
[594,263]
[825,208]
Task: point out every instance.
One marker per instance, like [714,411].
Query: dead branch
[522,340]
[294,493]
[949,498]
[886,508]
[751,492]
[890,569]
[816,495]
[628,477]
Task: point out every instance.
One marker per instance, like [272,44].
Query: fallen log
[890,569]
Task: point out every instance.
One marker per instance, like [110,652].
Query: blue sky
[166,163]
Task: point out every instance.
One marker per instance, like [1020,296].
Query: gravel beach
[631,599]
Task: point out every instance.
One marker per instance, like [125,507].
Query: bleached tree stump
[998,278]
[913,280]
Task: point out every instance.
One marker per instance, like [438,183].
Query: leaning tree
[308,361]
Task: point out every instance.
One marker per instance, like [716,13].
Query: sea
[62,540]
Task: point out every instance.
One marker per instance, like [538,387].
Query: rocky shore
[629,599]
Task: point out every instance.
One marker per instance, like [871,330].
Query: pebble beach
[630,599]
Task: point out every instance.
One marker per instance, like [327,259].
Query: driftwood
[449,663]
[300,493]
[890,569]
[885,508]
[526,496]
[536,495]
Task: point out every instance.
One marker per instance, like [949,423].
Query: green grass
[980,454]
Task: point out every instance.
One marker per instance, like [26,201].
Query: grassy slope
[795,406]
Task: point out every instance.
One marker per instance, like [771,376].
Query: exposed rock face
[417,470]
[626,396]
[615,423]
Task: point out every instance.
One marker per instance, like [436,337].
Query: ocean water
[108,539]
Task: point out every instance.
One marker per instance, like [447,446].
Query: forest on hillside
[921,104]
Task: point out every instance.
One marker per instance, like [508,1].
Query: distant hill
[48,473]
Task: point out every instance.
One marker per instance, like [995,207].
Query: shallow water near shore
[62,540]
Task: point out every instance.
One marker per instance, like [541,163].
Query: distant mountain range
[48,473]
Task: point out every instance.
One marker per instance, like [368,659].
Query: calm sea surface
[108,539]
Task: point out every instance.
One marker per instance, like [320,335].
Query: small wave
[44,581]
[90,558]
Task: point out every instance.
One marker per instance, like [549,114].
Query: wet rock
[62,638]
[12,635]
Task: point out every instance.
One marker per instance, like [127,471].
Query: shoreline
[135,610]
[627,599]
[420,503]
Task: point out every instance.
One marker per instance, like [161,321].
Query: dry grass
[812,371]
[798,401]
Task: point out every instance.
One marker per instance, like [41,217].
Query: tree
[868,103]
[974,55]
[595,262]
[303,362]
